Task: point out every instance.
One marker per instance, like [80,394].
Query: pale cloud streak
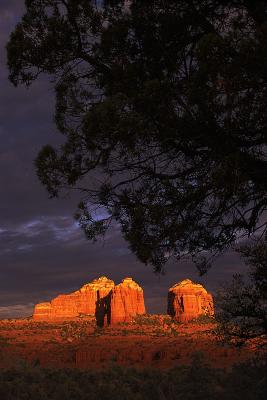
[40,232]
[16,311]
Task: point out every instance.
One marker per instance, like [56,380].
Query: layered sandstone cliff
[122,303]
[109,303]
[188,300]
[82,301]
[127,300]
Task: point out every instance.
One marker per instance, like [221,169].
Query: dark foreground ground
[150,358]
[196,381]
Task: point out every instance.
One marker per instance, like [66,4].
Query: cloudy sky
[42,251]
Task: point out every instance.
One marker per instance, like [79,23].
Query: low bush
[195,382]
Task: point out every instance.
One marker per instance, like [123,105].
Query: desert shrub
[204,319]
[155,320]
[4,342]
[12,324]
[98,330]
[197,381]
[74,330]
[146,319]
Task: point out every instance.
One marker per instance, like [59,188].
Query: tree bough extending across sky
[163,105]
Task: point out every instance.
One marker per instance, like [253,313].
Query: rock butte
[188,300]
[109,303]
[82,301]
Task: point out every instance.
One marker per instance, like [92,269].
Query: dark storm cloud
[42,251]
[25,124]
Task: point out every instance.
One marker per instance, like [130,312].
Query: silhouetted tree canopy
[163,105]
[243,303]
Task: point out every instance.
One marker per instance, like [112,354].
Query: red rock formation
[109,303]
[188,300]
[126,301]
[83,301]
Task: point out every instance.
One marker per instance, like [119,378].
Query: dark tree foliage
[243,303]
[163,105]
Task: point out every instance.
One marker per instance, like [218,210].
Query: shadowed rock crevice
[102,310]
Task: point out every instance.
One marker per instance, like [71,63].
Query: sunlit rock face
[109,304]
[82,301]
[188,300]
[42,311]
[126,301]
